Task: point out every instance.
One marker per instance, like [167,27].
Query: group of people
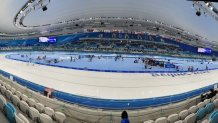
[41,58]
[191,68]
[148,63]
[209,95]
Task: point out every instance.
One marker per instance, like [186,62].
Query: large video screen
[204,50]
[47,39]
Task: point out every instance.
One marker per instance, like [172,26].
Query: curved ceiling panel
[66,10]
[8,10]
[216,5]
[175,12]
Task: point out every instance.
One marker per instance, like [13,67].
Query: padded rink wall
[107,103]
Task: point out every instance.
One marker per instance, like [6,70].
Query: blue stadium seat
[214,117]
[210,107]
[10,112]
[201,113]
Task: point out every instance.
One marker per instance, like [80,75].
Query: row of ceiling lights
[206,8]
[33,4]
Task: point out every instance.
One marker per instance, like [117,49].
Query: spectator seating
[15,100]
[180,121]
[201,113]
[212,114]
[23,106]
[8,87]
[2,102]
[24,97]
[10,112]
[59,117]
[40,107]
[215,102]
[36,111]
[190,118]
[49,111]
[183,114]
[13,90]
[161,120]
[8,94]
[3,89]
[193,114]
[193,109]
[200,105]
[44,118]
[31,102]
[34,114]
[206,101]
[216,97]
[205,121]
[4,84]
[173,118]
[149,121]
[21,118]
[209,107]
[18,93]
[213,118]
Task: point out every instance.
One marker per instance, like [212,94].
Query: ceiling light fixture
[44,8]
[207,7]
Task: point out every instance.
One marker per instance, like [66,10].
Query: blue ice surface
[107,62]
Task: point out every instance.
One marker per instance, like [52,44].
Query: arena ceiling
[179,13]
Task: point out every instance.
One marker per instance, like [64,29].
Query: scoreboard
[204,50]
[47,39]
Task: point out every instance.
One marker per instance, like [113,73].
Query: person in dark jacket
[203,97]
[212,93]
[124,117]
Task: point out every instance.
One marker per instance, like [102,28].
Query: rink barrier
[111,71]
[114,104]
[129,104]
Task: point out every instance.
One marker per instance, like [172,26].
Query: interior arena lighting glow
[44,8]
[198,13]
[207,8]
[211,8]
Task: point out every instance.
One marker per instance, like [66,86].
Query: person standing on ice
[71,58]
